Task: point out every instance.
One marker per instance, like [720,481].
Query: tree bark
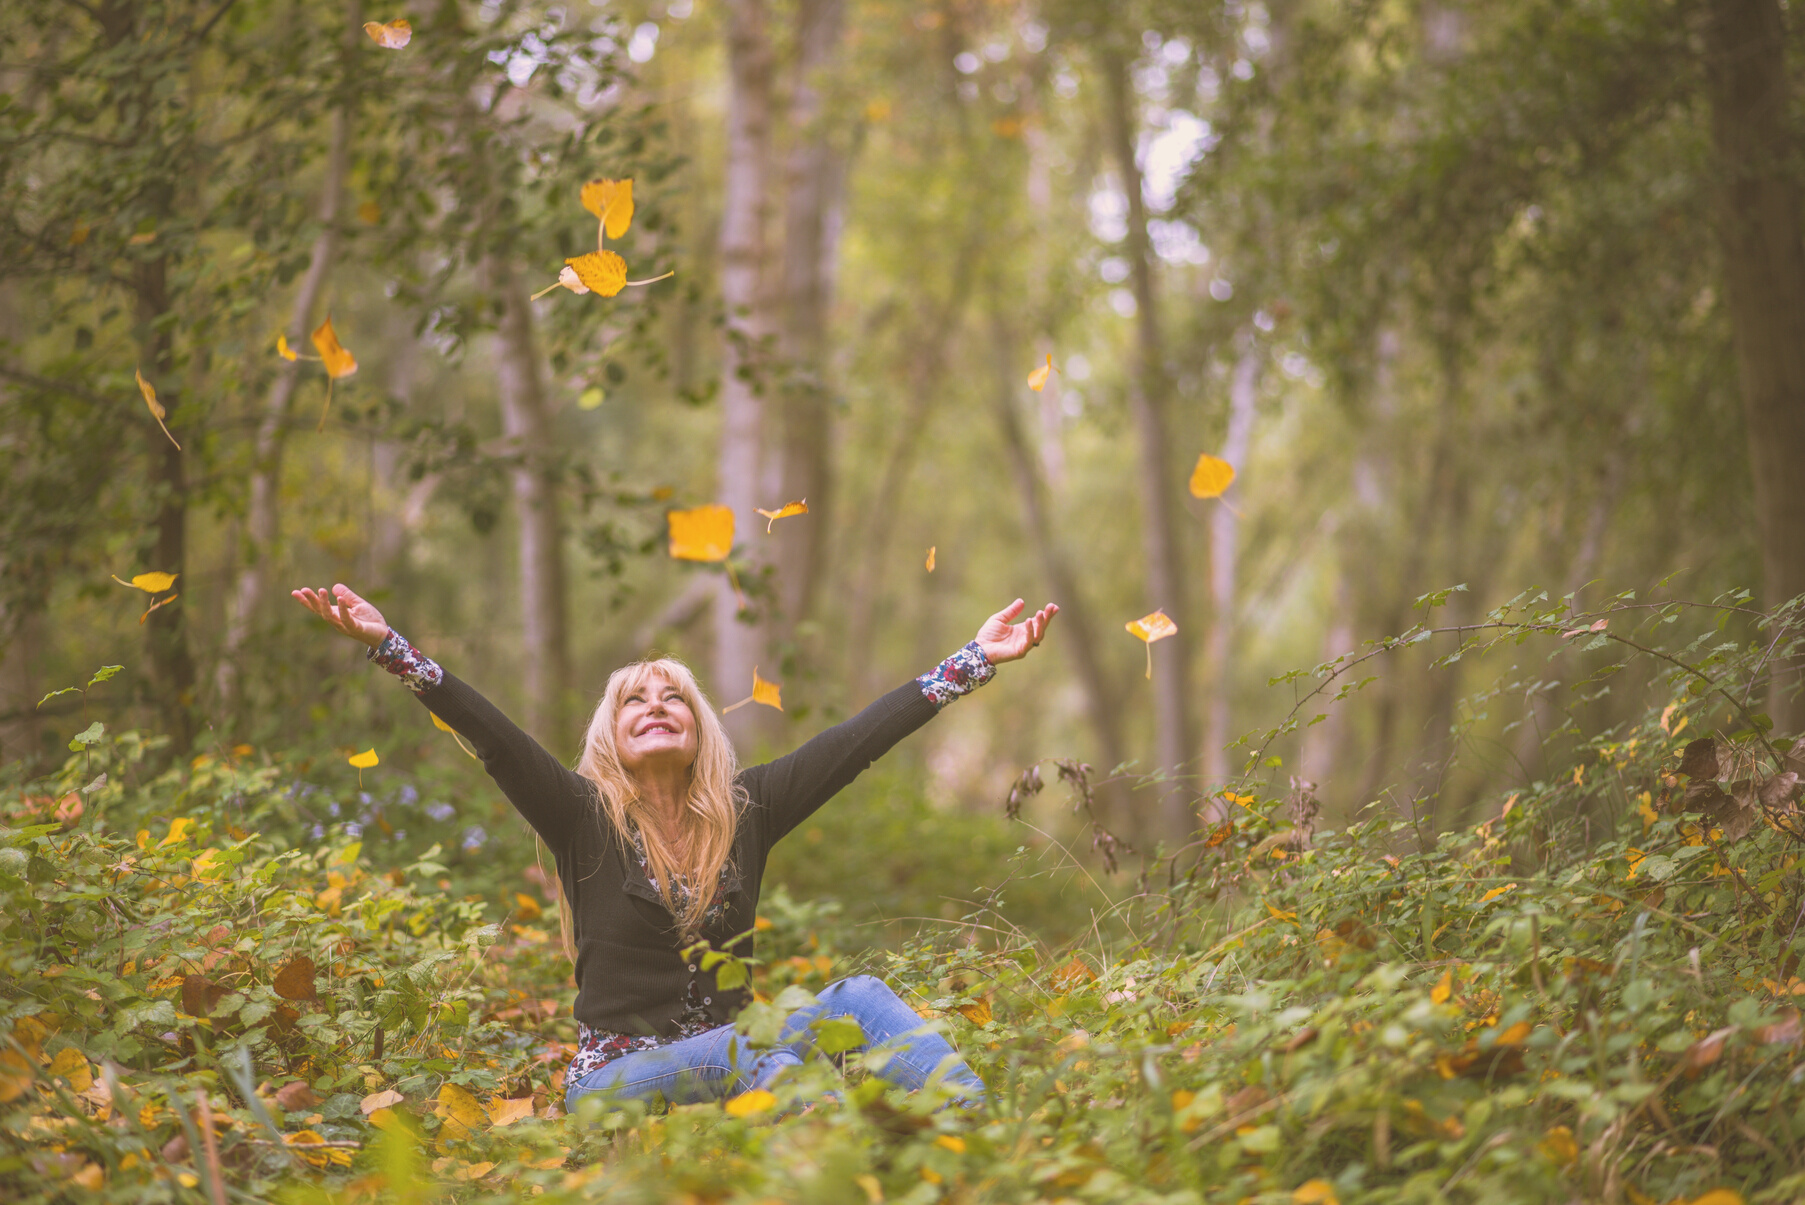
[527,428]
[810,247]
[738,643]
[1219,642]
[1759,227]
[1150,403]
[263,516]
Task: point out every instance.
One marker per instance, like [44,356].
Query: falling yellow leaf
[702,533]
[612,202]
[1037,380]
[365,760]
[1444,988]
[951,1142]
[1155,626]
[72,1065]
[1280,913]
[766,692]
[370,212]
[339,362]
[1212,477]
[393,36]
[284,350]
[156,408]
[1718,1196]
[1495,892]
[463,1116]
[311,1147]
[746,1104]
[604,272]
[782,512]
[178,831]
[442,726]
[1314,1192]
[1559,1145]
[150,583]
[930,560]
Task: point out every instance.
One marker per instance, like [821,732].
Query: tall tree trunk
[1759,225]
[810,248]
[527,428]
[1219,642]
[1150,403]
[738,645]
[1079,631]
[262,517]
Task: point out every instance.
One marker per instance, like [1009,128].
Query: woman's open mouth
[659,726]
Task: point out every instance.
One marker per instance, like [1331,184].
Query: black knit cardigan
[631,973]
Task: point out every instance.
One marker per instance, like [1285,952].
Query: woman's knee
[856,989]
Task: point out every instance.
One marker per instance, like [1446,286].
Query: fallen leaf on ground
[747,1104]
[463,1115]
[504,1111]
[295,980]
[387,1098]
[930,561]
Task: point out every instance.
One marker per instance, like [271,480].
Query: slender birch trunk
[738,645]
[1219,642]
[1150,404]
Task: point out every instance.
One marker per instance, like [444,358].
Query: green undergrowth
[1592,995]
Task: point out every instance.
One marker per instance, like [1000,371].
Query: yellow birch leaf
[463,1116]
[364,760]
[473,1171]
[1495,892]
[1148,628]
[156,408]
[1212,477]
[369,212]
[702,533]
[150,583]
[782,512]
[505,1112]
[1314,1192]
[72,1065]
[766,692]
[339,362]
[380,1100]
[78,234]
[1037,380]
[951,1142]
[393,36]
[930,560]
[1559,1145]
[604,272]
[1718,1196]
[612,202]
[441,725]
[747,1104]
[178,831]
[568,278]
[1280,913]
[311,1147]
[1444,988]
[284,350]
[92,1177]
[1515,1035]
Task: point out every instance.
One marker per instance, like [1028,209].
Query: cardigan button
[692,967]
[708,999]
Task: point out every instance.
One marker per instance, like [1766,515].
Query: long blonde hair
[710,814]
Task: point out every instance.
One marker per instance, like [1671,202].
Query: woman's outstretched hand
[1002,639]
[352,615]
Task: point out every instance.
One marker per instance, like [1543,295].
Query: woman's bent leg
[891,1027]
[706,1067]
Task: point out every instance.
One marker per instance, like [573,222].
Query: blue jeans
[722,1063]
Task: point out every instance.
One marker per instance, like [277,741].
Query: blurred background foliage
[1489,296]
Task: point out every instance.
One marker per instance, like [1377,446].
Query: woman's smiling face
[654,727]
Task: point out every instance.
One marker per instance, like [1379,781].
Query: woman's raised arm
[552,798]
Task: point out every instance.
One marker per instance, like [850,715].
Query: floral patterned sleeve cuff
[959,674]
[416,670]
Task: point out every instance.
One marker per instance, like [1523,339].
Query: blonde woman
[661,840]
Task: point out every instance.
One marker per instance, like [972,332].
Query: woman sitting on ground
[656,807]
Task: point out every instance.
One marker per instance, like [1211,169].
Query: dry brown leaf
[1148,628]
[295,980]
[930,560]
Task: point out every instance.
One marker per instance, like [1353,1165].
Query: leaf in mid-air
[782,512]
[612,202]
[1212,477]
[930,560]
[156,408]
[284,350]
[1037,380]
[602,272]
[150,583]
[339,362]
[702,533]
[393,36]
[364,760]
[1156,626]
[765,692]
[747,1104]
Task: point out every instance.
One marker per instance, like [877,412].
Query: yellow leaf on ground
[295,980]
[1515,1035]
[339,362]
[364,760]
[1212,477]
[930,561]
[1559,1145]
[1718,1196]
[473,1171]
[1280,913]
[612,202]
[1495,892]
[1148,628]
[387,1098]
[393,36]
[1037,380]
[768,693]
[1443,989]
[604,272]
[951,1142]
[527,908]
[504,1111]
[1315,1192]
[463,1115]
[702,533]
[92,1177]
[747,1104]
[72,1065]
[320,1155]
[156,408]
[178,831]
[782,512]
